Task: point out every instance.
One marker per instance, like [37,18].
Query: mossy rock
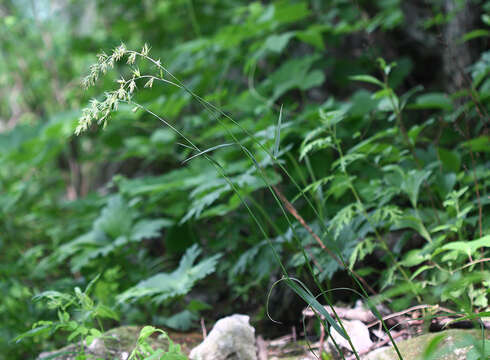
[456,344]
[118,344]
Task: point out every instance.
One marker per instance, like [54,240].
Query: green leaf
[474,35]
[163,286]
[277,43]
[432,101]
[116,218]
[406,96]
[414,257]
[367,78]
[331,118]
[147,229]
[362,103]
[431,348]
[468,247]
[313,36]
[37,331]
[106,312]
[207,151]
[278,135]
[340,185]
[480,315]
[95,332]
[158,354]
[445,183]
[147,331]
[91,284]
[316,306]
[451,160]
[479,144]
[412,182]
[412,222]
[316,145]
[346,160]
[389,102]
[286,11]
[414,132]
[295,73]
[420,270]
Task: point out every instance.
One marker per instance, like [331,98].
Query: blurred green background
[398,177]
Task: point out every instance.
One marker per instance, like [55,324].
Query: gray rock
[116,344]
[456,345]
[232,338]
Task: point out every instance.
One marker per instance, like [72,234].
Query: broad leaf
[164,286]
[432,101]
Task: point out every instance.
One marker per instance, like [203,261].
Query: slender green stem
[318,195]
[222,172]
[99,322]
[217,113]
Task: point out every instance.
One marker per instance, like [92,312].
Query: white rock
[358,333]
[232,338]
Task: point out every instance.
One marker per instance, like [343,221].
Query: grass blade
[319,308]
[207,150]
[278,135]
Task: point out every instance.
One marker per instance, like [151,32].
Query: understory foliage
[242,142]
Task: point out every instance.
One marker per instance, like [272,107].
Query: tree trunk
[458,55]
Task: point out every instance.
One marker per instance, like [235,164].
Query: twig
[203,328]
[261,348]
[413,308]
[471,263]
[360,314]
[298,217]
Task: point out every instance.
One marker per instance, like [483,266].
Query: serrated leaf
[331,118]
[346,160]
[316,145]
[468,247]
[147,229]
[163,286]
[116,218]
